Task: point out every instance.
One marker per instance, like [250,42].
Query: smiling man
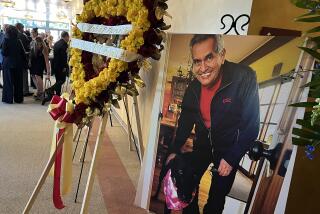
[223,105]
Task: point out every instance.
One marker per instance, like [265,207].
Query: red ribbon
[59,113]
[57,199]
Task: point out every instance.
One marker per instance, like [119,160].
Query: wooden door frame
[264,202]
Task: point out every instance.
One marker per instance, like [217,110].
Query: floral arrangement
[94,88]
[102,74]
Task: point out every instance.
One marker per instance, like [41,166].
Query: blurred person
[34,33]
[26,47]
[49,41]
[28,34]
[39,61]
[43,36]
[59,66]
[13,54]
[2,35]
[1,57]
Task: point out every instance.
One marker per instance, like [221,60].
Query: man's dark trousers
[220,185]
[61,77]
[56,88]
[13,88]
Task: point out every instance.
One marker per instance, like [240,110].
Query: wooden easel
[88,190]
[43,177]
[50,162]
[87,194]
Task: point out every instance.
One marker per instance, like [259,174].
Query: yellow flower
[137,14]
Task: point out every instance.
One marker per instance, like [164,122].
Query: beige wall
[194,16]
[145,100]
[287,54]
[276,14]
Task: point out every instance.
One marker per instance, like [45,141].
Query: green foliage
[301,141]
[304,104]
[309,133]
[312,52]
[306,4]
[309,19]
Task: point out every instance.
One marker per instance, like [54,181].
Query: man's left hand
[224,168]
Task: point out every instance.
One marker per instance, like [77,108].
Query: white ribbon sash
[104,29]
[104,50]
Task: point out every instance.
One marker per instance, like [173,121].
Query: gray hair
[219,44]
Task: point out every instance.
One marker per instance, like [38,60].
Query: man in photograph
[222,105]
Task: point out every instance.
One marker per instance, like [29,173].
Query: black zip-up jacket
[234,115]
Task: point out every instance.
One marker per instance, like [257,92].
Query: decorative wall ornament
[234,23]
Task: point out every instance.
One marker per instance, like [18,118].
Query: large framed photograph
[225,134]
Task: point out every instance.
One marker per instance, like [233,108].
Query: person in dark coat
[13,54]
[1,57]
[26,47]
[222,104]
[59,66]
[28,34]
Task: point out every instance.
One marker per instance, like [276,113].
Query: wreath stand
[131,138]
[45,173]
[99,140]
[130,135]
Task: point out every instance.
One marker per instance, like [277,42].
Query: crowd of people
[23,54]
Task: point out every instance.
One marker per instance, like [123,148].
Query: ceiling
[54,10]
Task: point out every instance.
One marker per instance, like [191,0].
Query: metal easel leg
[75,149]
[85,149]
[136,108]
[125,100]
[83,152]
[110,117]
[87,194]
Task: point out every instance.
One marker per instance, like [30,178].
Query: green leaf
[312,84]
[312,52]
[307,124]
[313,30]
[305,133]
[304,104]
[311,13]
[307,115]
[300,141]
[309,4]
[315,39]
[314,92]
[309,19]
